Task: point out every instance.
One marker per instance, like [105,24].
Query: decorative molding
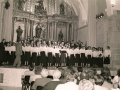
[82,27]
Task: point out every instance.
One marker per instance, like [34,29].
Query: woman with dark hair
[107,55]
[34,54]
[117,77]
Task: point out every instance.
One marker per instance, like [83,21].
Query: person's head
[80,69]
[90,74]
[18,26]
[31,68]
[83,75]
[3,40]
[118,72]
[94,70]
[108,47]
[56,74]
[105,72]
[99,80]
[85,85]
[44,72]
[38,70]
[62,73]
[71,78]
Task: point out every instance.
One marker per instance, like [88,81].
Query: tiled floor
[9,88]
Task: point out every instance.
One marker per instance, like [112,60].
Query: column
[47,31]
[72,32]
[31,32]
[92,23]
[55,31]
[67,31]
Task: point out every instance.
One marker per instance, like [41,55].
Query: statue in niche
[60,36]
[62,9]
[19,33]
[38,30]
[40,8]
[21,4]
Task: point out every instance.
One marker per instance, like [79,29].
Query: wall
[83,34]
[108,33]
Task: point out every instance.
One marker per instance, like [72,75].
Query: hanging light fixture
[112,3]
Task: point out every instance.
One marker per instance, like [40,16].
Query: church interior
[95,23]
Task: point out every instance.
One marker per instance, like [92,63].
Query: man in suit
[18,54]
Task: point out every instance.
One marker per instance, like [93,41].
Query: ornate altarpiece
[51,25]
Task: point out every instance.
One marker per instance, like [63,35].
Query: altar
[52,23]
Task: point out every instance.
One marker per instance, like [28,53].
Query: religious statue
[21,4]
[19,33]
[62,9]
[38,30]
[60,37]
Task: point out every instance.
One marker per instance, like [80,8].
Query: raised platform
[11,76]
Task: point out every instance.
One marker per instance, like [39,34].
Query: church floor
[9,88]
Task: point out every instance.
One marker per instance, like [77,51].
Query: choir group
[50,53]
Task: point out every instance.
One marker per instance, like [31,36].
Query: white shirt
[88,52]
[76,51]
[7,48]
[34,77]
[94,54]
[29,73]
[107,53]
[34,49]
[43,48]
[100,53]
[82,50]
[114,89]
[26,48]
[56,50]
[67,86]
[49,49]
[69,52]
[12,48]
[97,87]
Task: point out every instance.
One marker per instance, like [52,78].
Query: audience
[72,78]
[37,72]
[53,84]
[41,81]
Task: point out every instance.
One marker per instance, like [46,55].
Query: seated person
[99,80]
[36,75]
[117,77]
[115,86]
[53,84]
[105,73]
[30,72]
[41,81]
[91,75]
[70,84]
